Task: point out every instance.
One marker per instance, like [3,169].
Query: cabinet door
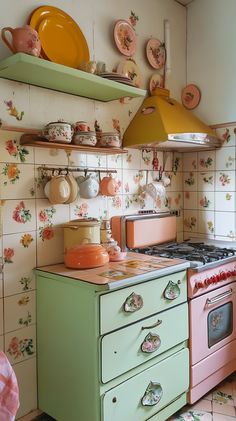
[123,307]
[133,345]
[142,396]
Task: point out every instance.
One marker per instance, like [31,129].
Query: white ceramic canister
[81,231]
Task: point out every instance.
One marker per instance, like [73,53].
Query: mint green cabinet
[84,375]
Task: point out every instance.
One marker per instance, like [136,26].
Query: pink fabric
[9,392]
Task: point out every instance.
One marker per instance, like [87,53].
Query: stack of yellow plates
[61,38]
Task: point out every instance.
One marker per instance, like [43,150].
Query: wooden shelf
[39,142]
[38,72]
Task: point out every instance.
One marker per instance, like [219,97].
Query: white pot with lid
[81,231]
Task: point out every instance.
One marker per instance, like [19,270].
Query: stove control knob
[229,274]
[218,277]
[199,285]
[223,276]
[234,272]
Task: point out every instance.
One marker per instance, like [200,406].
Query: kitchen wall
[31,232]
[209,177]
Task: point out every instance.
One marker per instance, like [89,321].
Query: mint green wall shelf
[35,71]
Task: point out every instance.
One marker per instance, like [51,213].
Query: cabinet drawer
[162,382]
[128,305]
[133,345]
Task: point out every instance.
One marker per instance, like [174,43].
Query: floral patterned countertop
[134,268]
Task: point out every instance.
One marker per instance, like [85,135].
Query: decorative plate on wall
[130,69]
[125,38]
[156,81]
[156,53]
[190,96]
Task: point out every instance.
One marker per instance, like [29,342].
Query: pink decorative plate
[156,81]
[190,96]
[125,38]
[156,53]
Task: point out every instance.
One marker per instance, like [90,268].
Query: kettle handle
[4,38]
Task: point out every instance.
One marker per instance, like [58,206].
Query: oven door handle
[220,297]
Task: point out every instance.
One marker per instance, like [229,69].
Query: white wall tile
[27,381]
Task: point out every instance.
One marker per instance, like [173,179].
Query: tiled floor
[218,405]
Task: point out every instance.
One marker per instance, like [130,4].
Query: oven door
[212,321]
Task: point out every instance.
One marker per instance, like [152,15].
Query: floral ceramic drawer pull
[133,302]
[152,394]
[172,291]
[151,343]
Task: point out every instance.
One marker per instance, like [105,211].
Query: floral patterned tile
[17,181]
[49,215]
[18,248]
[227,135]
[11,150]
[224,409]
[1,316]
[19,216]
[76,159]
[190,200]
[192,415]
[206,200]
[206,161]
[19,311]
[20,344]
[206,181]
[131,160]
[50,246]
[50,157]
[225,201]
[225,181]
[115,206]
[190,181]
[206,222]
[190,221]
[190,161]
[114,161]
[225,224]
[225,159]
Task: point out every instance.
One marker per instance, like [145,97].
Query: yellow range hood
[163,123]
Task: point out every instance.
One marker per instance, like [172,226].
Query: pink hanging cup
[24,40]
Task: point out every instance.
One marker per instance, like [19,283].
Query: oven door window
[220,323]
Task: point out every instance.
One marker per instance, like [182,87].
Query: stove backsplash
[209,191]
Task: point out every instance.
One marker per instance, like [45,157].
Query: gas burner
[197,253]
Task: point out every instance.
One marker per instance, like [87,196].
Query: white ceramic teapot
[88,186]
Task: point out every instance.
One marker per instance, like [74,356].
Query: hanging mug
[109,186]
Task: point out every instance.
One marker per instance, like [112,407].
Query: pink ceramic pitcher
[24,40]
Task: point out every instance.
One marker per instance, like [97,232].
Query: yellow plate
[61,38]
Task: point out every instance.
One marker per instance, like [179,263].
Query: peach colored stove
[211,293]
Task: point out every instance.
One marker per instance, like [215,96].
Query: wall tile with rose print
[176,181]
[206,222]
[17,181]
[225,181]
[50,157]
[96,161]
[11,150]
[225,201]
[190,181]
[206,200]
[114,161]
[225,224]
[206,161]
[18,216]
[49,246]
[190,221]
[190,200]
[19,262]
[190,161]
[225,159]
[20,344]
[227,135]
[115,205]
[206,181]
[19,311]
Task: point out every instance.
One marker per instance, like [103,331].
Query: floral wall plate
[130,69]
[125,38]
[190,96]
[156,53]
[156,81]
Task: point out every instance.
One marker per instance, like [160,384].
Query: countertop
[133,269]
